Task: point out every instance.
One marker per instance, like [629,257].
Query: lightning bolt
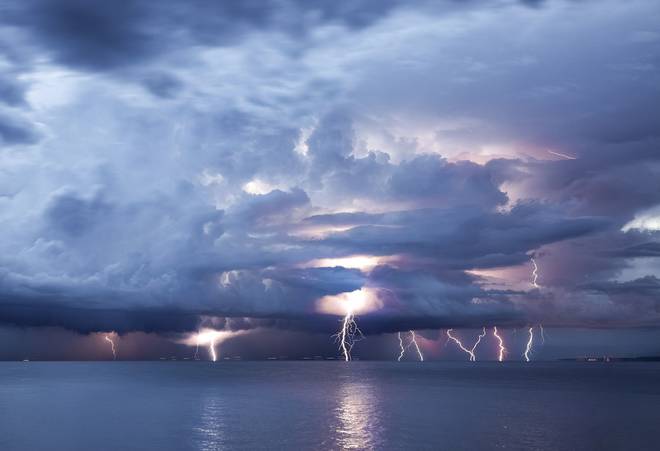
[112,346]
[542,333]
[403,350]
[535,273]
[348,333]
[412,342]
[214,357]
[562,155]
[210,338]
[470,352]
[528,349]
[500,356]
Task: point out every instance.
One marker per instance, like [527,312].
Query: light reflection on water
[210,433]
[328,406]
[357,415]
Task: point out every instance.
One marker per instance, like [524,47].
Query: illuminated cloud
[648,220]
[165,164]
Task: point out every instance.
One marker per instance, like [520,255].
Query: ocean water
[329,405]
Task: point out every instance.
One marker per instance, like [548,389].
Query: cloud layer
[167,163]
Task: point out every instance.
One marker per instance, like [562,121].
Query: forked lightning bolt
[500,356]
[413,342]
[470,352]
[112,345]
[348,333]
[530,341]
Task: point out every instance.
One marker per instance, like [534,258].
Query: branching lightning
[112,345]
[500,356]
[470,352]
[412,342]
[348,334]
[528,348]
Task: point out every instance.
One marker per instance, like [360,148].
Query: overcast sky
[243,165]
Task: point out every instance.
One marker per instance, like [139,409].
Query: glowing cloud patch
[210,338]
[360,301]
[362,262]
[648,221]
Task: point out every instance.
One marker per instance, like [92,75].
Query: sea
[329,405]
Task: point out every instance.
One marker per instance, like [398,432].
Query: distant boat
[26,360]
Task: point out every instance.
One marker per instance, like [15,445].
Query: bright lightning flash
[348,334]
[413,342]
[112,346]
[210,338]
[214,356]
[535,274]
[528,348]
[500,356]
[348,305]
[403,349]
[470,352]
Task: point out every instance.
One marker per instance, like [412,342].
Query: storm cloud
[166,163]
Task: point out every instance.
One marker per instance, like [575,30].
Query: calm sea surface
[329,405]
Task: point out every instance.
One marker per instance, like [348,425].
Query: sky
[250,167]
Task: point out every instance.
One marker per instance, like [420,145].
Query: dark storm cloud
[649,285]
[98,35]
[648,249]
[190,162]
[466,237]
[85,320]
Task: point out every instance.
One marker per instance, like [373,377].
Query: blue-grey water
[329,405]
